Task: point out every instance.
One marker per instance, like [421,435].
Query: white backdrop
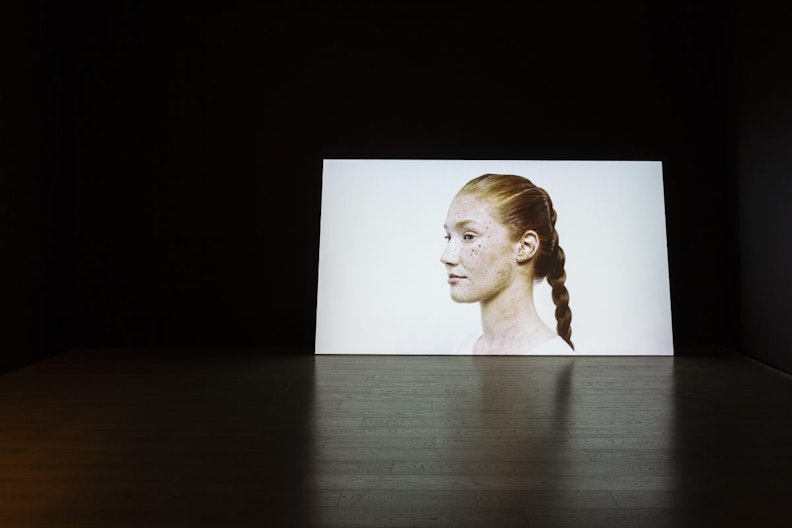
[383,290]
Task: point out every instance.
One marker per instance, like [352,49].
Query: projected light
[393,280]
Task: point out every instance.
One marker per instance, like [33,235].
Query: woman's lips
[453,279]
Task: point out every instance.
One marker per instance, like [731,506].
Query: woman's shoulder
[554,347]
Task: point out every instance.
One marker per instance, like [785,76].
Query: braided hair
[522,206]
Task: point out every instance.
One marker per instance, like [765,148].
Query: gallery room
[409,264]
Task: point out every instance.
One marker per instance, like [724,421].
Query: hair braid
[556,277]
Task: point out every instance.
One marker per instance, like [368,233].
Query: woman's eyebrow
[461,224]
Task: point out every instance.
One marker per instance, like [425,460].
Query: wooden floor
[152,438]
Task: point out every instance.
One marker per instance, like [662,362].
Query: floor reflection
[480,440]
[190,438]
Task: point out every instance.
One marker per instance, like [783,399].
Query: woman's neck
[510,323]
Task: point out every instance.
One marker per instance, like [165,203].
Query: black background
[161,165]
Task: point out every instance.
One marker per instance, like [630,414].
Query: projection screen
[382,288]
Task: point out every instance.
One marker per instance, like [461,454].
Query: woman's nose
[450,256]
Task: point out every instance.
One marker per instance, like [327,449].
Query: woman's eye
[447,238]
[468,236]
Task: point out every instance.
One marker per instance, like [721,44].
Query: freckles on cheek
[503,277]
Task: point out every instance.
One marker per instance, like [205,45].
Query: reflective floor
[240,438]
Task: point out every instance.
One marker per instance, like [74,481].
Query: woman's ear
[529,245]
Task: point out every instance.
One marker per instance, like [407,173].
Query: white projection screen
[382,288]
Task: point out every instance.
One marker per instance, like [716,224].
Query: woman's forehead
[467,209]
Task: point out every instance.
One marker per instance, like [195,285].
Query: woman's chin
[461,298]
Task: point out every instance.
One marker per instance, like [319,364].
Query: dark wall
[34,180]
[197,137]
[185,233]
[766,185]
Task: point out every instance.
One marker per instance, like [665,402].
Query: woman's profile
[501,239]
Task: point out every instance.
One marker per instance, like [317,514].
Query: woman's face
[480,257]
